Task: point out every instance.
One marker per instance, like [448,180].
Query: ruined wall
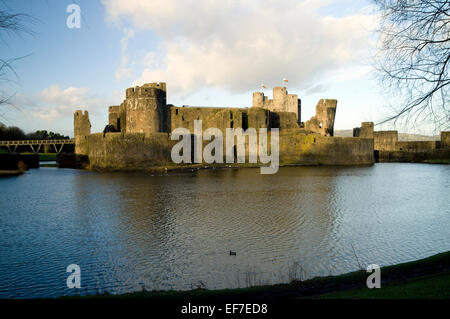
[282,102]
[316,149]
[283,120]
[123,117]
[82,129]
[185,116]
[145,122]
[416,146]
[385,140]
[145,108]
[136,151]
[445,139]
[389,149]
[221,118]
[132,151]
[413,157]
[258,117]
[323,121]
[114,117]
[365,131]
[388,141]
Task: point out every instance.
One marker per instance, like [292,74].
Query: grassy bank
[438,161]
[430,287]
[425,278]
[45,157]
[9,173]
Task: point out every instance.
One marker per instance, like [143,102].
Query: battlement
[80,114]
[282,101]
[114,117]
[82,125]
[148,90]
[82,129]
[365,131]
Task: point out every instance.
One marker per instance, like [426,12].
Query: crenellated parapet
[282,102]
[365,131]
[82,130]
[144,109]
[148,90]
[114,117]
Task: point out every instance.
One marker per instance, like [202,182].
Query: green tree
[11,133]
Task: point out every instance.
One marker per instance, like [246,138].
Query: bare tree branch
[10,24]
[414,58]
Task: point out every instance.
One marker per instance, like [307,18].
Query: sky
[210,53]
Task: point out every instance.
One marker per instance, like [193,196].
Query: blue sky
[209,53]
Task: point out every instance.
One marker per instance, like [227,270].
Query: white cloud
[124,72]
[236,45]
[54,103]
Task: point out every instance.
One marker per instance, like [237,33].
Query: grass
[45,157]
[431,287]
[425,278]
[438,161]
[48,165]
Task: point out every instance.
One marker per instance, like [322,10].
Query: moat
[132,230]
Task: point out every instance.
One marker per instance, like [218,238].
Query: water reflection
[129,230]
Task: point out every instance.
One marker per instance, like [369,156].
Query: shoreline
[8,173]
[423,278]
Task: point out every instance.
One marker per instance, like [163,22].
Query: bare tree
[414,59]
[10,24]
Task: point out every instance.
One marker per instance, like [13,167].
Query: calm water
[129,230]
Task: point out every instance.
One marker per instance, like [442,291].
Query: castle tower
[145,108]
[82,130]
[282,102]
[258,99]
[365,131]
[114,117]
[279,96]
[323,121]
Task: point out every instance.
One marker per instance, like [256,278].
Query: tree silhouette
[414,59]
[10,24]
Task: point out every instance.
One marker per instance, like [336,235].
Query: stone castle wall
[145,121]
[365,131]
[282,102]
[445,139]
[388,148]
[323,121]
[137,151]
[386,140]
[145,108]
[82,130]
[114,117]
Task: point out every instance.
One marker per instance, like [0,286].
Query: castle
[138,133]
[146,111]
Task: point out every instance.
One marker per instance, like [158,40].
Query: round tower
[145,108]
[82,130]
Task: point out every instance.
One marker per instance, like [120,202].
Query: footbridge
[36,145]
